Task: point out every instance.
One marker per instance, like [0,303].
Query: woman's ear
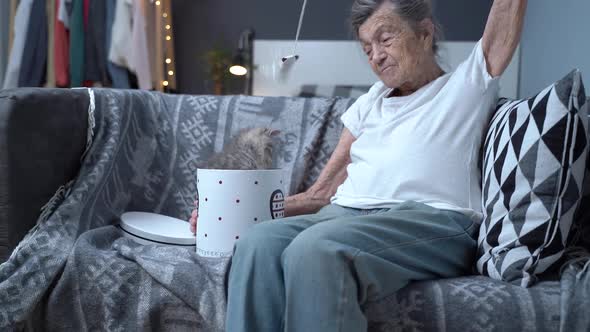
[427,35]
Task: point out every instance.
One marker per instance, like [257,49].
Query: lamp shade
[238,66]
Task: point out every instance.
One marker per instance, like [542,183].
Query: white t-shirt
[423,147]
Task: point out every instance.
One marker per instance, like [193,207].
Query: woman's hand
[304,203]
[194,216]
[331,177]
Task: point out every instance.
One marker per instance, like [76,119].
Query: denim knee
[313,252]
[260,240]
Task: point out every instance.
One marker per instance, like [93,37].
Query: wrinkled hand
[194,216]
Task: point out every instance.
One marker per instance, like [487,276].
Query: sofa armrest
[42,138]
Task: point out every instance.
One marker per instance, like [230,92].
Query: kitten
[250,149]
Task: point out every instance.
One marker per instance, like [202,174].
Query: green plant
[218,61]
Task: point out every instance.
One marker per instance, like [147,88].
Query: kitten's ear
[274,132]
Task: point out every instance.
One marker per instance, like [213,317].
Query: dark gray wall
[555,40]
[200,25]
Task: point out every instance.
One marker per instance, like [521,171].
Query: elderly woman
[399,199]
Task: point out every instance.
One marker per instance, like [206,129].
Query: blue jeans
[315,272]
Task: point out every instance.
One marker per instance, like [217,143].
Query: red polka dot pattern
[256,182]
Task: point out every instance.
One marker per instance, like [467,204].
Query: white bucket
[232,201]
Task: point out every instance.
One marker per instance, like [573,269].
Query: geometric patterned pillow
[534,160]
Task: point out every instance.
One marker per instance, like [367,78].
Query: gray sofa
[50,138]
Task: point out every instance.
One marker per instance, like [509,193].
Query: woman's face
[396,52]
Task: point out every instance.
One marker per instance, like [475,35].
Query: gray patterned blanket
[75,268]
[75,271]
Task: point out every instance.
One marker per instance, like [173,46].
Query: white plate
[146,228]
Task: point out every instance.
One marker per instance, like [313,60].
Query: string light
[167,25]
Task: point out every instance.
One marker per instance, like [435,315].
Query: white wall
[333,63]
[556,39]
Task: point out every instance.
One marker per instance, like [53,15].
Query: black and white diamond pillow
[533,169]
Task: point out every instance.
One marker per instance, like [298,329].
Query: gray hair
[412,11]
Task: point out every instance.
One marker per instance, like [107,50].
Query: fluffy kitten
[250,149]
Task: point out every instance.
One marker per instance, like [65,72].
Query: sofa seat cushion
[473,303]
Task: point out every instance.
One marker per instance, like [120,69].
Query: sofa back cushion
[42,138]
[533,170]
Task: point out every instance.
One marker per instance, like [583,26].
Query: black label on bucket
[277,204]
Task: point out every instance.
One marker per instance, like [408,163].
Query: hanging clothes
[61,59]
[50,74]
[95,44]
[4,36]
[13,7]
[34,59]
[77,35]
[21,25]
[118,74]
[121,34]
[64,12]
[86,13]
[129,41]
[140,54]
[152,42]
